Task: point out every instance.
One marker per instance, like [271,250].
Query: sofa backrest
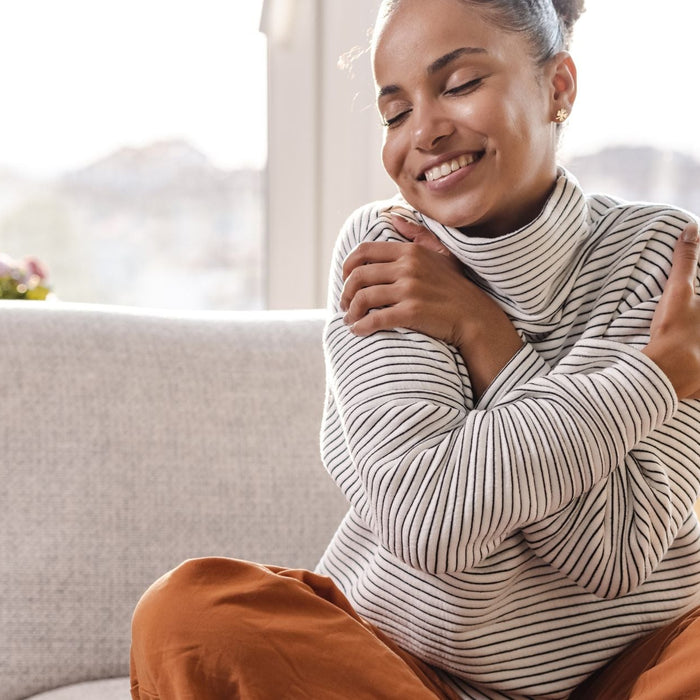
[132,440]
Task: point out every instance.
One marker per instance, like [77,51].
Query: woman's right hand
[674,343]
[420,285]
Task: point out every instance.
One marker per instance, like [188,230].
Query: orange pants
[221,629]
[664,665]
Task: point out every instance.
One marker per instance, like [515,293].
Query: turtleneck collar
[530,271]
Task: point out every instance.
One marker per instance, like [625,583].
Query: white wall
[324,140]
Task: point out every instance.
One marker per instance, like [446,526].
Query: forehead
[415,33]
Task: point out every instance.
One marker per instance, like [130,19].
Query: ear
[563,82]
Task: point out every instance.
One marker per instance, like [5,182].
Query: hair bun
[569,11]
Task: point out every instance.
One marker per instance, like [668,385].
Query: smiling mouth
[451,166]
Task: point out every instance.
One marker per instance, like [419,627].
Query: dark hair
[548,24]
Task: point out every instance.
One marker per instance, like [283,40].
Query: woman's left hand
[420,285]
[674,343]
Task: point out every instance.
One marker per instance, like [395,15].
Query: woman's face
[469,132]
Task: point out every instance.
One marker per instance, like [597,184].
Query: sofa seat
[111,689]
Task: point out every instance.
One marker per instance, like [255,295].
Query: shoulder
[640,233]
[370,222]
[632,221]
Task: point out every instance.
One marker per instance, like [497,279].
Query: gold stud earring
[562,116]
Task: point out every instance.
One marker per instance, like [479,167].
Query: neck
[515,218]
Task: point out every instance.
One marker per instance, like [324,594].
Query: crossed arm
[420,286]
[424,470]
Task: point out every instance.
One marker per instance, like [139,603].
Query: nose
[431,125]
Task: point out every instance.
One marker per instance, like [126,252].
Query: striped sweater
[520,541]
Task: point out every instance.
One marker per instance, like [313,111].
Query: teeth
[446,168]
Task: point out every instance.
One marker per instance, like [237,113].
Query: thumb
[405,226]
[684,264]
[418,234]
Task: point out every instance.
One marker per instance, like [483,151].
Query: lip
[455,176]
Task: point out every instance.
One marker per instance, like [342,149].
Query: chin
[451,217]
[455,214]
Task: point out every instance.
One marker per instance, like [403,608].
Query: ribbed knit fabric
[519,543]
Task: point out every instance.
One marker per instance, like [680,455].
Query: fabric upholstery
[111,689]
[132,440]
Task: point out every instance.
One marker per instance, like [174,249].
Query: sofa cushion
[111,689]
[132,440]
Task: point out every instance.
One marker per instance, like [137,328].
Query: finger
[380,319]
[421,235]
[684,264]
[418,234]
[371,299]
[371,252]
[428,240]
[366,276]
[407,228]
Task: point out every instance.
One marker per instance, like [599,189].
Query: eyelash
[394,121]
[464,89]
[467,87]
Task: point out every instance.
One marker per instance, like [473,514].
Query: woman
[506,420]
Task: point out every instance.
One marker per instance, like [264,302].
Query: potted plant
[23,279]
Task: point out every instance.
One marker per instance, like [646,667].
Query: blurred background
[204,154]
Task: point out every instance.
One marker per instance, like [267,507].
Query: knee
[169,601]
[177,627]
[175,605]
[158,602]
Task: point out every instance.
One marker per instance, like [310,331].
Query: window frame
[324,140]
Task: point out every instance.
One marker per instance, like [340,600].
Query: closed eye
[465,88]
[396,120]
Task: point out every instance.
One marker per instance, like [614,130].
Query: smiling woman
[511,413]
[423,103]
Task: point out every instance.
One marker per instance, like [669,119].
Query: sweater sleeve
[442,483]
[610,539]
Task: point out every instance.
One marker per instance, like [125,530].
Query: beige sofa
[132,440]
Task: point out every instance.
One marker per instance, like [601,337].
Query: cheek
[391,158]
[528,121]
[478,121]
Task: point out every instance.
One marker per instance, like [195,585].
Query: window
[634,131]
[133,149]
[175,96]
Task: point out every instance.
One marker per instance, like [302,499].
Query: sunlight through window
[133,149]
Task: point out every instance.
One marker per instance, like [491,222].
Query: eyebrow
[436,66]
[445,60]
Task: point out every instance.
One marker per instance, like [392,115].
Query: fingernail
[690,234]
[403,217]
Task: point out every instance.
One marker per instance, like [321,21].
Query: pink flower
[22,279]
[36,268]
